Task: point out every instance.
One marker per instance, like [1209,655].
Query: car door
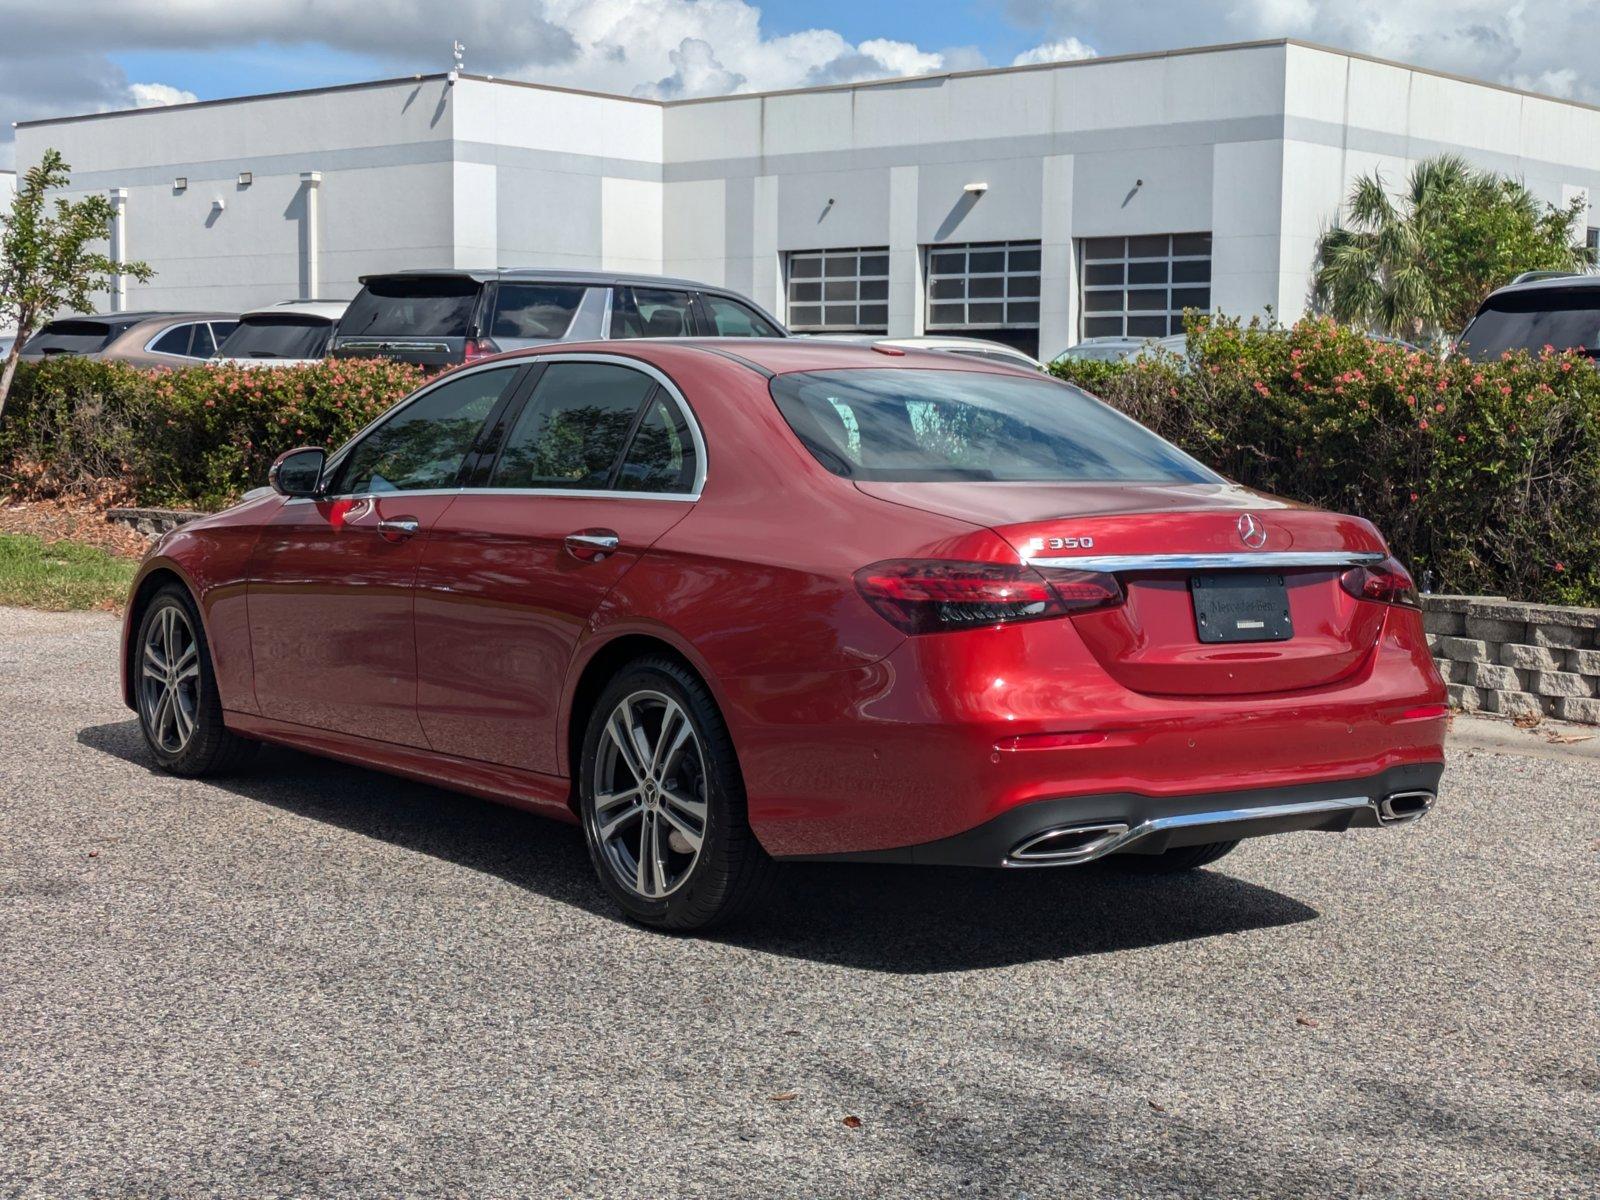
[330,581]
[601,459]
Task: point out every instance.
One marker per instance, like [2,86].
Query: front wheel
[180,710]
[662,802]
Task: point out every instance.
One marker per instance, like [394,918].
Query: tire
[682,782]
[180,712]
[1171,862]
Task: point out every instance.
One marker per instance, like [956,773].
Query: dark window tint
[202,346]
[221,329]
[424,443]
[74,337]
[917,425]
[571,432]
[413,306]
[647,312]
[661,457]
[1532,320]
[278,335]
[535,310]
[173,341]
[729,318]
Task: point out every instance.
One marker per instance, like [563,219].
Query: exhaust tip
[1064,846]
[1400,808]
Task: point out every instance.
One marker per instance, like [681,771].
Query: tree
[1418,268]
[47,259]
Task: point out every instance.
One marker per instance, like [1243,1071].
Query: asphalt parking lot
[316,981]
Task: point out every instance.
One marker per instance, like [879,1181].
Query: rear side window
[278,335]
[729,318]
[661,457]
[651,312]
[72,337]
[413,306]
[174,341]
[571,432]
[423,445]
[1532,320]
[535,310]
[917,425]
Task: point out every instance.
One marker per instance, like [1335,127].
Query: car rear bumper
[1071,830]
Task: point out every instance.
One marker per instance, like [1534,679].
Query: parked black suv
[1562,311]
[443,317]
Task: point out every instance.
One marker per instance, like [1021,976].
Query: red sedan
[728,602]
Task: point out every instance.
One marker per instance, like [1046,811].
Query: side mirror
[298,472]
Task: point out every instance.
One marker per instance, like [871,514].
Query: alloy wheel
[650,804]
[169,679]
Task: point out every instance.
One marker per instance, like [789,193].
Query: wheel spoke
[188,663]
[159,718]
[616,822]
[685,804]
[644,877]
[680,738]
[690,834]
[154,665]
[621,729]
[605,800]
[182,720]
[169,633]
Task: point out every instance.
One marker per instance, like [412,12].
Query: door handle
[398,529]
[591,545]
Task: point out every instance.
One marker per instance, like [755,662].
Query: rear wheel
[662,802]
[1171,862]
[180,710]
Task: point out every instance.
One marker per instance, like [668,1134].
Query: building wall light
[246,178]
[181,183]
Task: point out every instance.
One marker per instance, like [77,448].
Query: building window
[1139,286]
[1591,246]
[843,291]
[984,285]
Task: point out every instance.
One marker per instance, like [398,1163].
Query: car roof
[782,356]
[134,318]
[1556,283]
[537,274]
[330,309]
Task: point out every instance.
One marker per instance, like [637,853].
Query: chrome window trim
[1243,560]
[623,360]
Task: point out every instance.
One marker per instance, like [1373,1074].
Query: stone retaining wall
[152,522]
[1500,656]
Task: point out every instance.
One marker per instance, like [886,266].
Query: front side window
[572,431]
[174,341]
[651,312]
[729,318]
[536,311]
[423,445]
[917,425]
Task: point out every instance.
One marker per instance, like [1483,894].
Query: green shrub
[1485,476]
[198,437]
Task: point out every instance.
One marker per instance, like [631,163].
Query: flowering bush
[1483,476]
[198,437]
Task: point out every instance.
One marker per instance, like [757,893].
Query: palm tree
[1419,268]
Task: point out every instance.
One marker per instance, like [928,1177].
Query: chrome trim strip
[1144,829]
[1242,560]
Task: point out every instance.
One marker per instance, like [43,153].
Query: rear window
[413,306]
[919,425]
[1532,320]
[74,337]
[278,335]
[535,310]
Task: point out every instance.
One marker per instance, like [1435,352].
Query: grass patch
[59,576]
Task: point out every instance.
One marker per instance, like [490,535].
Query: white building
[1046,203]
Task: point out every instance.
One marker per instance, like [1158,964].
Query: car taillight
[477,348]
[932,595]
[1386,582]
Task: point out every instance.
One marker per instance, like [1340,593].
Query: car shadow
[896,919]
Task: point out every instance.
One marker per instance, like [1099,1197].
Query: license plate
[1241,608]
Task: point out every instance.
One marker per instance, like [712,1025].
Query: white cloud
[1061,50]
[158,95]
[695,72]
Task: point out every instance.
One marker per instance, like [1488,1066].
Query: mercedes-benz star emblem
[1252,532]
